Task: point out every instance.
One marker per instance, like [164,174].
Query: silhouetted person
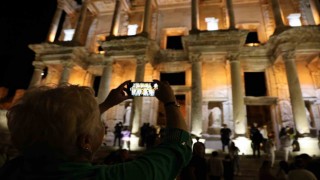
[197,167]
[215,166]
[228,168]
[265,171]
[234,154]
[151,136]
[256,138]
[225,133]
[295,144]
[300,173]
[283,170]
[270,148]
[143,134]
[117,134]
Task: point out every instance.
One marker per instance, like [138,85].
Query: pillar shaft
[230,14]
[317,4]
[115,19]
[306,13]
[37,74]
[65,75]
[146,18]
[277,13]
[196,96]
[194,15]
[54,24]
[239,113]
[137,101]
[81,21]
[104,86]
[297,102]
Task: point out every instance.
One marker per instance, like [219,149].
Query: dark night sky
[22,23]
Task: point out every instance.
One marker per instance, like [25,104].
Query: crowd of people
[58,136]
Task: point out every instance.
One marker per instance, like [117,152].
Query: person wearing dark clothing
[225,133]
[197,167]
[117,134]
[295,144]
[143,134]
[256,138]
[151,136]
[228,168]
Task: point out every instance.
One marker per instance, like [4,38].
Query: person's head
[224,125]
[65,118]
[199,149]
[214,153]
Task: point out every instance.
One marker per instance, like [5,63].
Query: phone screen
[144,89]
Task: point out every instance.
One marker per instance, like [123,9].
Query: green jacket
[163,162]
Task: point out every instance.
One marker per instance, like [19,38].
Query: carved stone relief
[286,113]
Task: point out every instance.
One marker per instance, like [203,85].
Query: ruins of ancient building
[229,61]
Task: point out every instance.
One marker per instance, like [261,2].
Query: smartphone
[143,89]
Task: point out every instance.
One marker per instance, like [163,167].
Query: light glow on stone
[294,19]
[132,29]
[212,23]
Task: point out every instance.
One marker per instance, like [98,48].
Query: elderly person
[58,130]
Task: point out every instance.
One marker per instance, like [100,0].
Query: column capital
[38,65]
[67,64]
[141,59]
[107,61]
[194,57]
[232,57]
[288,56]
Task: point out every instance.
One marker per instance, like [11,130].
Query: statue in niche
[127,114]
[214,120]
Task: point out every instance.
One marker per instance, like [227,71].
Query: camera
[143,89]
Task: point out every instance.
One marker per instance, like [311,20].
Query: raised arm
[115,97]
[173,114]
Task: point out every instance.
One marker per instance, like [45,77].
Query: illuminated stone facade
[214,62]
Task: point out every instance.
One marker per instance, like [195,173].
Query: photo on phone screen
[144,89]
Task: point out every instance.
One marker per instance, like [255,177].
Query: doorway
[260,114]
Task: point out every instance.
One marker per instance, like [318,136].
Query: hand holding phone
[142,89]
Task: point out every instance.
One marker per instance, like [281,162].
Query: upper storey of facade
[134,27]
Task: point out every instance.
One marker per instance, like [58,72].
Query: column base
[194,31]
[280,29]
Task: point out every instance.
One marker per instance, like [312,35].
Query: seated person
[58,130]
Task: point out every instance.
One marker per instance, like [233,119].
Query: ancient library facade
[234,62]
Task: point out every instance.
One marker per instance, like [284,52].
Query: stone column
[81,21]
[146,18]
[194,16]
[277,13]
[306,13]
[297,102]
[37,74]
[239,112]
[317,4]
[104,86]
[65,75]
[232,24]
[115,19]
[196,95]
[55,23]
[137,101]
